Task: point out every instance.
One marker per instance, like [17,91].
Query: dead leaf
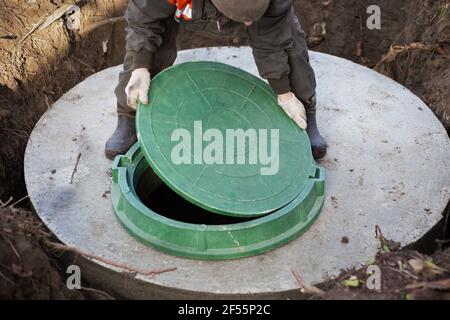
[304,287]
[417,265]
[442,285]
[430,266]
[352,282]
[359,49]
[440,51]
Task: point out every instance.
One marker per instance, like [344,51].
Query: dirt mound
[30,267]
[404,274]
[26,270]
[36,70]
[412,46]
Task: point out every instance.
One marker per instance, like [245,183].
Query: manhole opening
[161,199]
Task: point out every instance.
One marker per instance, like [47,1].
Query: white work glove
[137,87]
[293,108]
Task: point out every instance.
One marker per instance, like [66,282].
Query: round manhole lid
[216,136]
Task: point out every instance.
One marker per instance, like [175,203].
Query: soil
[33,267]
[412,47]
[399,280]
[29,268]
[34,73]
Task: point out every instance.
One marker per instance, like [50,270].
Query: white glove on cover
[137,87]
[295,110]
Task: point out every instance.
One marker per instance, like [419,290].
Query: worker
[275,36]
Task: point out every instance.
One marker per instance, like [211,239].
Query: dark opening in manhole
[169,204]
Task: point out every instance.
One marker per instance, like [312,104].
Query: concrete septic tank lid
[388,165]
[191,100]
[201,241]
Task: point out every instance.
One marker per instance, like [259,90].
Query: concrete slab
[388,165]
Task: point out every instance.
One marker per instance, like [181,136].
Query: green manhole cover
[216,136]
[131,172]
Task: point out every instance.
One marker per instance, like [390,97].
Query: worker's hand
[293,108]
[137,87]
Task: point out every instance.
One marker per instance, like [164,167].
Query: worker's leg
[303,85]
[163,58]
[125,134]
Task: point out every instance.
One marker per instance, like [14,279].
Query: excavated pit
[41,70]
[375,177]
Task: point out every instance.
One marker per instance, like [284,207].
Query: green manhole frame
[209,242]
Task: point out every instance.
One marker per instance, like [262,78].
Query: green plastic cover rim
[209,242]
[225,97]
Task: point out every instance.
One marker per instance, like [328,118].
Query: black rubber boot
[318,143]
[123,138]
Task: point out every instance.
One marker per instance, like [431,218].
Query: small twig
[395,50]
[415,286]
[75,168]
[446,221]
[404,272]
[36,26]
[322,18]
[13,248]
[442,285]
[6,279]
[102,23]
[360,44]
[379,236]
[305,288]
[5,204]
[46,101]
[84,64]
[19,133]
[20,273]
[9,34]
[18,201]
[150,273]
